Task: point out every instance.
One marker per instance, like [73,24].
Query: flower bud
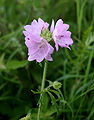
[57,85]
[46,34]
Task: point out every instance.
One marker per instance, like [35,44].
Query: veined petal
[33,48]
[65,27]
[55,40]
[67,34]
[28,28]
[41,53]
[26,33]
[43,24]
[61,36]
[65,42]
[34,23]
[51,50]
[52,26]
[49,58]
[56,45]
[31,58]
[59,23]
[62,29]
[35,38]
[35,28]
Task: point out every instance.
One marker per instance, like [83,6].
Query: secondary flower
[61,36]
[37,37]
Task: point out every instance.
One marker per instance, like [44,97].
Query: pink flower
[38,47]
[61,36]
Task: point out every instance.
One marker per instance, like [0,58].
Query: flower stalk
[44,75]
[42,86]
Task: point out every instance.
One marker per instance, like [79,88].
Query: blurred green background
[74,69]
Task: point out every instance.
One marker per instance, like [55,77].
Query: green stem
[44,76]
[42,87]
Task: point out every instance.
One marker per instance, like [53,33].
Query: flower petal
[33,48]
[35,28]
[59,23]
[41,53]
[56,44]
[51,49]
[67,34]
[43,24]
[34,23]
[52,26]
[31,58]
[26,33]
[65,42]
[28,28]
[49,58]
[65,27]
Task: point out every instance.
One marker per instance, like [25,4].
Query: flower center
[60,36]
[46,34]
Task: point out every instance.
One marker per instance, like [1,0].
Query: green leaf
[53,100]
[2,65]
[57,93]
[15,64]
[36,92]
[84,86]
[3,85]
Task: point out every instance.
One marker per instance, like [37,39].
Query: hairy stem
[42,87]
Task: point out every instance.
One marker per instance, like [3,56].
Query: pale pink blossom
[38,47]
[61,36]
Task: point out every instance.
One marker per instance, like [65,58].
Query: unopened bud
[57,85]
[46,34]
